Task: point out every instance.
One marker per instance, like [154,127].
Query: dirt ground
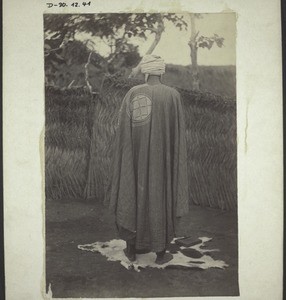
[75,273]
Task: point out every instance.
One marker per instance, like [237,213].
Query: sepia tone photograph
[140,155]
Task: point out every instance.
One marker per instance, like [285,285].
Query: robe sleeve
[121,195]
[180,187]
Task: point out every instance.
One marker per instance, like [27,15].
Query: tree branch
[159,30]
[71,84]
[67,37]
[86,72]
[152,29]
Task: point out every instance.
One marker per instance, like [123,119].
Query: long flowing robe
[149,186]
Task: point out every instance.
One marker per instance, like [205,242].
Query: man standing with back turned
[149,185]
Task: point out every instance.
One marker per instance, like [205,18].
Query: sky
[173,46]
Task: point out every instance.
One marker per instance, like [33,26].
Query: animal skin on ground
[196,256]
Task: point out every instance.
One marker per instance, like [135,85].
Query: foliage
[207,42]
[63,47]
[204,41]
[115,30]
[74,52]
[196,42]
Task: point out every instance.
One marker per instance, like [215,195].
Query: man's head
[152,65]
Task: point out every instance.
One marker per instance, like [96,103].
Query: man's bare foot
[130,256]
[164,259]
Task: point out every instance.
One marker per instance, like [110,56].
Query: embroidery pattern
[140,109]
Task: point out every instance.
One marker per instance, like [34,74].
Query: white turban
[152,64]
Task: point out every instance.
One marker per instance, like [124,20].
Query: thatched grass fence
[80,129]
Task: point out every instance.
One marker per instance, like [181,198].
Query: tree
[158,28]
[196,42]
[115,30]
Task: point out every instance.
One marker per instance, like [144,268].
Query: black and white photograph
[142,149]
[140,155]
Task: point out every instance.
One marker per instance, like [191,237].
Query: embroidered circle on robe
[140,109]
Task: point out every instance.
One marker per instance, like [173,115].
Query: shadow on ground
[74,273]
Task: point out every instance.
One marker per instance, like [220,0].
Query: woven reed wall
[77,166]
[211,142]
[67,140]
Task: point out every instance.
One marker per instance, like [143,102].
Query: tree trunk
[194,54]
[156,41]
[158,35]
